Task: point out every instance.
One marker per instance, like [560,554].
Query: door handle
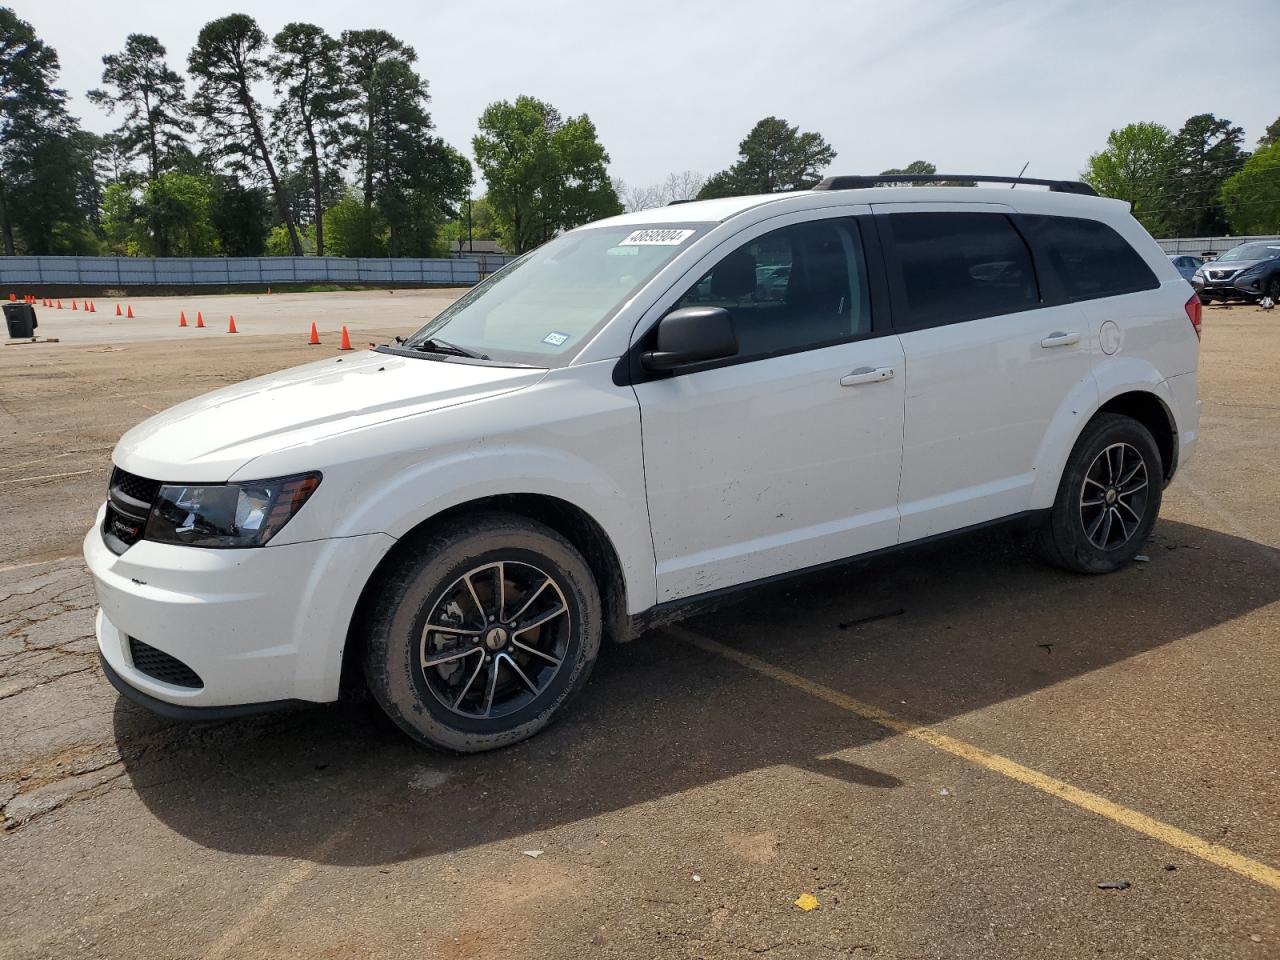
[866,375]
[1060,339]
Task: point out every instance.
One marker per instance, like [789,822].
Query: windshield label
[556,338]
[656,238]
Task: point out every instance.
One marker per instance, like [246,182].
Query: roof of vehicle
[1029,200]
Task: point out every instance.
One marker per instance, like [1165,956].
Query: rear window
[952,267]
[1089,259]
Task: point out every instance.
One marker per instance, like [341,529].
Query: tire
[1077,534]
[414,672]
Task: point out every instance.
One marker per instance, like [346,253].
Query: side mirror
[691,335]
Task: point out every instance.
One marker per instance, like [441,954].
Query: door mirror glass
[692,335]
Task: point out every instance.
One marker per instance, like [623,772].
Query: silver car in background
[1215,280]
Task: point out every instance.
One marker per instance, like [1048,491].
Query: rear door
[988,362]
[787,455]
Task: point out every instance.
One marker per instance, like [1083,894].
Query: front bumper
[257,625]
[1220,289]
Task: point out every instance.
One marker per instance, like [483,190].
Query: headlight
[1198,275]
[227,514]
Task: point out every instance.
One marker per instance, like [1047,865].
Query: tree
[44,165]
[239,217]
[363,52]
[1206,151]
[156,123]
[416,178]
[1136,166]
[774,157]
[544,173]
[229,59]
[678,186]
[313,94]
[1251,197]
[1271,135]
[355,228]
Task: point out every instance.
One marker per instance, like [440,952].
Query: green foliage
[171,216]
[48,181]
[545,174]
[365,54]
[240,217]
[1251,197]
[308,78]
[773,157]
[156,123]
[482,225]
[1206,151]
[179,206]
[1271,134]
[229,60]
[1136,167]
[354,229]
[279,244]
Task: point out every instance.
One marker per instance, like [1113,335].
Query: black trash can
[21,320]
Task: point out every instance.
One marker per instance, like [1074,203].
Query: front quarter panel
[574,435]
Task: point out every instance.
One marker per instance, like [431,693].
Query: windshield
[541,308]
[1263,250]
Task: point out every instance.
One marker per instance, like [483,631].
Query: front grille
[158,665]
[133,486]
[1222,274]
[129,499]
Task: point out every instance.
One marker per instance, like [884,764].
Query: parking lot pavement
[914,741]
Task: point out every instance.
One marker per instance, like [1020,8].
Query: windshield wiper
[436,345]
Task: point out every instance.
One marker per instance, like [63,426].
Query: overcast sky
[975,86]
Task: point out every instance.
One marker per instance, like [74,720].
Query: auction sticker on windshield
[656,238]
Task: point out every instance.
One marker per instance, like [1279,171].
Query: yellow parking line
[1139,822]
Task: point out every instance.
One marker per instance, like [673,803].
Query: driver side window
[795,288]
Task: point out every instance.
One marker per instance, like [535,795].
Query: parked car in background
[1186,264]
[1216,280]
[1261,280]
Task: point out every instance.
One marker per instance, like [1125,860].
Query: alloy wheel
[495,639]
[1113,497]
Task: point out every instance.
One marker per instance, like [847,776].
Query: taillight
[1193,314]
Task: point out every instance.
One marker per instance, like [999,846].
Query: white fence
[230,271]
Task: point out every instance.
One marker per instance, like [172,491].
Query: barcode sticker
[656,238]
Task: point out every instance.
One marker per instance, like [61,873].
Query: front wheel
[1108,498]
[482,632]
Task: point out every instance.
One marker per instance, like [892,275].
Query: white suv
[644,412]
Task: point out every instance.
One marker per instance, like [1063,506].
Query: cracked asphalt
[787,743]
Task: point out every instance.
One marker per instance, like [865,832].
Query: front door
[786,455]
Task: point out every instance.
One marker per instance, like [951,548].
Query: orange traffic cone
[73,305]
[59,303]
[182,318]
[119,312]
[129,313]
[92,308]
[200,320]
[315,337]
[346,340]
[231,324]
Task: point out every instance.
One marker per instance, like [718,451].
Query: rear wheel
[482,633]
[1108,498]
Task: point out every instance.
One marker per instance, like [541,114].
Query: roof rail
[866,182]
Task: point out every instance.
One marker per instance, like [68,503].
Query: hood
[207,439]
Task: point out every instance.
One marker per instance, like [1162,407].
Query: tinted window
[796,287]
[1089,259]
[951,267]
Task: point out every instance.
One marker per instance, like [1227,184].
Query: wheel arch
[567,519]
[1150,410]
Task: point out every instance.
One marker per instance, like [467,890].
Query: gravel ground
[855,736]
